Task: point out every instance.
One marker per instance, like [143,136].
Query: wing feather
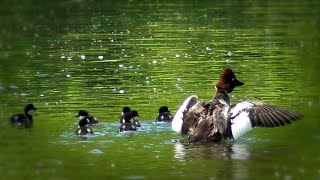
[181,114]
[258,115]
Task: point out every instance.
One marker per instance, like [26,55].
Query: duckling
[24,120]
[131,121]
[124,110]
[83,125]
[218,120]
[164,115]
[83,130]
[91,120]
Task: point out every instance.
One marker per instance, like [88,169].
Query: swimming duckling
[91,120]
[164,115]
[124,110]
[131,121]
[24,120]
[85,121]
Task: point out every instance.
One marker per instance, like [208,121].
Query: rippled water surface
[64,56]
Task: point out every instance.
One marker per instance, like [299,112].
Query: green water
[64,56]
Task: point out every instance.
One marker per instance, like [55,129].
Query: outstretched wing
[179,119]
[246,115]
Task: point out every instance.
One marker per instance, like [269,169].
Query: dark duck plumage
[130,121]
[91,120]
[124,110]
[164,115]
[24,120]
[217,120]
[85,121]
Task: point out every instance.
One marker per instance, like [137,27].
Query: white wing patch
[240,124]
[240,107]
[240,121]
[177,120]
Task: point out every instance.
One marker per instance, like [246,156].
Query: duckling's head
[125,109]
[29,109]
[163,109]
[134,113]
[82,114]
[130,115]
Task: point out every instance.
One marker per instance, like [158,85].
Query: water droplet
[68,75]
[100,57]
[121,91]
[177,55]
[121,65]
[13,87]
[229,53]
[83,57]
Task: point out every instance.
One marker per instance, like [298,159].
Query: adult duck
[218,120]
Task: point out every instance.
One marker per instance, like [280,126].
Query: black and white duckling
[124,110]
[24,120]
[91,120]
[83,130]
[130,121]
[83,124]
[218,120]
[164,115]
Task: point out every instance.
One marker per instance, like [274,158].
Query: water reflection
[228,150]
[229,153]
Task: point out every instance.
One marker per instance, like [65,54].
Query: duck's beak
[238,83]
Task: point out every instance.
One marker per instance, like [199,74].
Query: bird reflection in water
[227,150]
[233,153]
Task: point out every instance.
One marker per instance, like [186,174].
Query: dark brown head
[228,81]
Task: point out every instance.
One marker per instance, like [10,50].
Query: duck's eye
[232,79]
